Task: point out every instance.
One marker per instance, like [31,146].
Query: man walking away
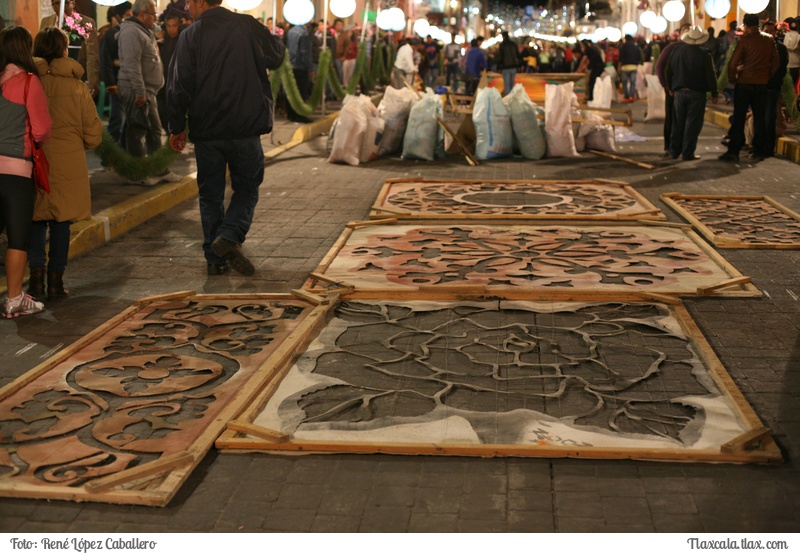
[219,76]
[509,60]
[661,71]
[690,75]
[629,59]
[753,62]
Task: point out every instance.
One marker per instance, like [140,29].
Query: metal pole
[364,25]
[324,48]
[61,14]
[691,7]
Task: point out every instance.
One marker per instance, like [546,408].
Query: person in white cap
[690,76]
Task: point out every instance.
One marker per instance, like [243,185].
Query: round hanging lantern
[717,9]
[659,25]
[298,12]
[422,27]
[613,34]
[630,28]
[108,3]
[398,19]
[384,20]
[243,5]
[343,8]
[674,10]
[647,18]
[753,6]
[599,35]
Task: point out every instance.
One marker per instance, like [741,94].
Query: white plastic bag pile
[656,99]
[424,138]
[559,101]
[356,134]
[525,124]
[603,92]
[494,138]
[394,108]
[642,71]
[593,134]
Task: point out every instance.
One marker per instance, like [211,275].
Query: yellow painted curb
[718,118]
[786,147]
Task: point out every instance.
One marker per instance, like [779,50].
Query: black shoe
[692,158]
[218,269]
[756,158]
[667,156]
[232,254]
[728,157]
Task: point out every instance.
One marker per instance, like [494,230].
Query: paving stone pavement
[305,203]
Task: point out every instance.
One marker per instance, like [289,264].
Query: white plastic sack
[373,134]
[656,99]
[422,133]
[559,100]
[642,71]
[494,138]
[525,125]
[593,134]
[349,130]
[394,108]
[603,92]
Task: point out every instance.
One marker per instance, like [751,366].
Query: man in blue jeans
[218,76]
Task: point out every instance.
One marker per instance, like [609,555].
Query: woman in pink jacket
[23,112]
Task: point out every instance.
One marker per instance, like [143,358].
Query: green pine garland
[130,167]
[722,80]
[790,99]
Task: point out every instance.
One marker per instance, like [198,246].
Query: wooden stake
[363,223]
[139,472]
[746,441]
[164,297]
[724,284]
[261,432]
[621,159]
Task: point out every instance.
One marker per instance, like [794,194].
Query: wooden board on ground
[125,414]
[730,221]
[414,198]
[564,261]
[498,378]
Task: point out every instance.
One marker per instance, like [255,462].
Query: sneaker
[146,182]
[232,254]
[728,157]
[169,176]
[21,305]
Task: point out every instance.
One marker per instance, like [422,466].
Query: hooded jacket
[140,69]
[76,128]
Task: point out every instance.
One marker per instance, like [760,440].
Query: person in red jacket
[23,113]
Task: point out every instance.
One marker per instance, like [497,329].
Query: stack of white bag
[394,108]
[356,133]
[603,92]
[525,124]
[593,134]
[642,71]
[656,99]
[494,138]
[558,103]
[424,138]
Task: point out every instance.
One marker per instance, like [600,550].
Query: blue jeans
[628,78]
[754,97]
[452,73]
[245,158]
[688,110]
[59,245]
[509,76]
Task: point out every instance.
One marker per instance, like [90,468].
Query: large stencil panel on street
[739,221]
[126,413]
[526,261]
[503,378]
[529,199]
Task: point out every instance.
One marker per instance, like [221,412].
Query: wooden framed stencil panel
[525,261]
[126,413]
[507,378]
[739,221]
[411,199]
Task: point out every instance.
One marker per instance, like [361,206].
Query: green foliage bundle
[130,167]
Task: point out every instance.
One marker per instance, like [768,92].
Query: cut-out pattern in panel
[528,260]
[593,199]
[145,390]
[523,376]
[739,222]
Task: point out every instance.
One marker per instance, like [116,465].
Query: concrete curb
[787,147]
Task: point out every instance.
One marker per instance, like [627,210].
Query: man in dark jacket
[629,59]
[592,61]
[661,71]
[753,62]
[690,75]
[219,76]
[508,60]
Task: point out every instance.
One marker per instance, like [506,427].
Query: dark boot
[55,286]
[36,284]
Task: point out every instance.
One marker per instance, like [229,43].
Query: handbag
[41,166]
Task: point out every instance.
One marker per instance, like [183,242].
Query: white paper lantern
[108,2]
[647,18]
[630,28]
[613,34]
[753,6]
[718,9]
[298,12]
[343,8]
[674,10]
[384,20]
[659,25]
[422,27]
[599,35]
[398,19]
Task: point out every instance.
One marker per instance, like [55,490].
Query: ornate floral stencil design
[737,222]
[143,390]
[601,374]
[527,259]
[531,199]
